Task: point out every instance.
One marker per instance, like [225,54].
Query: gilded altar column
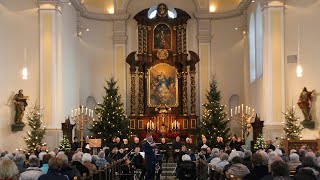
[133,93]
[140,39]
[184,39]
[144,38]
[179,39]
[193,92]
[184,93]
[141,94]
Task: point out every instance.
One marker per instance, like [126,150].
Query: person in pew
[76,162]
[68,170]
[187,169]
[101,162]
[55,165]
[126,171]
[86,160]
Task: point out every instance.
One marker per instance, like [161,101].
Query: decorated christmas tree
[292,127]
[112,120]
[260,143]
[65,144]
[214,122]
[35,136]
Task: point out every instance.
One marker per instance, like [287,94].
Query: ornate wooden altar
[162,67]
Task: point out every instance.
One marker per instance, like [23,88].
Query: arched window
[252,48]
[259,40]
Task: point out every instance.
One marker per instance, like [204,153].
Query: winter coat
[32,173]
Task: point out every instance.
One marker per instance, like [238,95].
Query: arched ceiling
[101,9]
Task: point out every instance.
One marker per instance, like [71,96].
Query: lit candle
[148,125]
[246,109]
[249,110]
[236,110]
[71,113]
[81,109]
[86,110]
[242,108]
[231,113]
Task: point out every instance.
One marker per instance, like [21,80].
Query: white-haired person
[101,162]
[20,159]
[86,160]
[8,170]
[237,169]
[66,169]
[187,169]
[294,161]
[33,172]
[77,163]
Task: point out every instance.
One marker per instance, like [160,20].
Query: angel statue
[20,102]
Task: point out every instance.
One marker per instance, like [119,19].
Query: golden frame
[193,123]
[132,123]
[167,69]
[140,124]
[185,123]
[153,39]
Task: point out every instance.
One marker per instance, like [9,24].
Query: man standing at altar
[150,157]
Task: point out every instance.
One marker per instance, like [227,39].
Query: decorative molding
[50,5]
[101,17]
[272,3]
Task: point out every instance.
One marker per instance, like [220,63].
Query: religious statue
[20,102]
[305,103]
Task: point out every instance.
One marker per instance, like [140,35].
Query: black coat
[83,169]
[53,175]
[150,157]
[176,145]
[257,173]
[187,170]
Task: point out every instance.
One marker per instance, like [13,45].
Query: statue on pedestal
[305,104]
[20,102]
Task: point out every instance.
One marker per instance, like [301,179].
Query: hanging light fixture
[25,69]
[299,69]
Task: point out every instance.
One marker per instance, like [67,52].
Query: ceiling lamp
[212,8]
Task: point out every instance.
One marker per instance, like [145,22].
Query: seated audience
[221,164]
[237,169]
[45,162]
[279,171]
[260,168]
[86,160]
[76,162]
[53,173]
[8,170]
[66,169]
[308,169]
[101,162]
[19,159]
[187,169]
[33,172]
[293,162]
[247,159]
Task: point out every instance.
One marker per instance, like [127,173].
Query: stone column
[273,66]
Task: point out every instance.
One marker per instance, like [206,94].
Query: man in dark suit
[75,144]
[176,146]
[150,157]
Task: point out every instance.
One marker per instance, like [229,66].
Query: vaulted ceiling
[100,9]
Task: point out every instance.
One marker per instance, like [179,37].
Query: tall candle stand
[243,115]
[81,116]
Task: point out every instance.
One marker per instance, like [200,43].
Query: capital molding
[272,3]
[101,17]
[50,5]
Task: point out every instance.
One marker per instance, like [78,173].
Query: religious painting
[162,86]
[162,37]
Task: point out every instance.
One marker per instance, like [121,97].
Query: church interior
[163,56]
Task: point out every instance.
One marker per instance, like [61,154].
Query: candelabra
[175,125]
[243,116]
[81,116]
[150,126]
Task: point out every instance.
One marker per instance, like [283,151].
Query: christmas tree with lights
[292,127]
[112,120]
[35,136]
[214,120]
[260,143]
[65,144]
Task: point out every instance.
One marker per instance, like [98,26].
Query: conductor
[150,158]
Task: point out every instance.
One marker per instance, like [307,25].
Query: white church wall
[95,58]
[305,15]
[19,30]
[227,51]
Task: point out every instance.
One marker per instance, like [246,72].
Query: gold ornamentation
[133,94]
[193,92]
[162,54]
[184,93]
[162,10]
[140,95]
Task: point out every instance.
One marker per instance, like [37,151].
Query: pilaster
[273,61]
[204,41]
